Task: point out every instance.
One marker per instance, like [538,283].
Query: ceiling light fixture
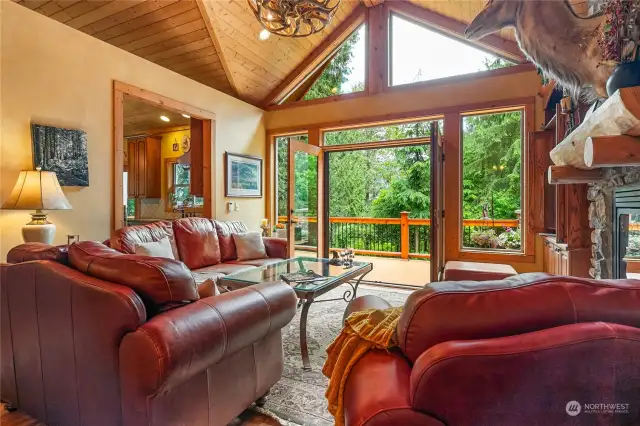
[186,116]
[293,18]
[164,118]
[264,34]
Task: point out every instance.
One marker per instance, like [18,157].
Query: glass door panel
[305,204]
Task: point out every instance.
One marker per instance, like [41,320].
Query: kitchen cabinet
[144,158]
[559,260]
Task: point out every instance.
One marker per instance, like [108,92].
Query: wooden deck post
[404,235]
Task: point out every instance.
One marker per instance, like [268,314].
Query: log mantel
[618,115]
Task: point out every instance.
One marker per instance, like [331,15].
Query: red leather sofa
[94,337]
[504,353]
[204,245]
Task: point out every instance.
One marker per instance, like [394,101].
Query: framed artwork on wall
[242,175]
[63,151]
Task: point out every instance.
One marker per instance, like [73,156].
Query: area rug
[299,396]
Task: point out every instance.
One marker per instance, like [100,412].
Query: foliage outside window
[282,170]
[420,54]
[131,207]
[180,195]
[492,181]
[346,71]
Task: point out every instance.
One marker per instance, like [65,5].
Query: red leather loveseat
[533,349]
[95,337]
[205,246]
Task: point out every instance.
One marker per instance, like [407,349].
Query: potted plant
[621,43]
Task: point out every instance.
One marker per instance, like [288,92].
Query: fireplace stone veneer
[602,219]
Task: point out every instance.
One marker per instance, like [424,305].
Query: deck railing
[401,237]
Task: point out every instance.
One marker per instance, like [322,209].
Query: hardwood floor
[248,418]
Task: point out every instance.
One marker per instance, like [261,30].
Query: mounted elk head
[496,15]
[564,45]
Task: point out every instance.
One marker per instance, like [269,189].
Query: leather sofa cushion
[126,239]
[258,262]
[225,236]
[37,251]
[197,242]
[225,268]
[157,281]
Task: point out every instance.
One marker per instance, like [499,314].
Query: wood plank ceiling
[140,117]
[214,42]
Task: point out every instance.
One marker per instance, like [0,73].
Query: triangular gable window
[344,71]
[421,54]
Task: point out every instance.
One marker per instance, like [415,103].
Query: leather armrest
[276,247]
[377,392]
[365,302]
[37,251]
[178,344]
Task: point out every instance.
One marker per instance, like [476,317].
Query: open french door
[437,203]
[305,212]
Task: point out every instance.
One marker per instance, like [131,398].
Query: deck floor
[390,270]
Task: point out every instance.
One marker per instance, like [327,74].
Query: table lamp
[37,190]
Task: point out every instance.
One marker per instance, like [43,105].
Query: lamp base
[39,230]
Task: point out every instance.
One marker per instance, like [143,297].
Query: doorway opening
[368,189]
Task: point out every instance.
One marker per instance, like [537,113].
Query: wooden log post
[559,175]
[620,114]
[612,151]
[404,235]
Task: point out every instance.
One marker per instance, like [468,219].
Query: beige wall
[433,97]
[55,75]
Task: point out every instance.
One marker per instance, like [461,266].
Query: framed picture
[242,175]
[63,151]
[176,147]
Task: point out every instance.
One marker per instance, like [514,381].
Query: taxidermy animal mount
[561,43]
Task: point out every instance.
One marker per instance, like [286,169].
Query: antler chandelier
[294,18]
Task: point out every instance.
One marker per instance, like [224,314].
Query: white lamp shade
[37,190]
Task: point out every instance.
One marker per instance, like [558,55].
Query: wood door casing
[437,203]
[153,168]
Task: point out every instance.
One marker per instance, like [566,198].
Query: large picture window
[492,174]
[421,54]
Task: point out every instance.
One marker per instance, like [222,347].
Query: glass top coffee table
[332,277]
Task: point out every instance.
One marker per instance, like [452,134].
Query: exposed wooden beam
[612,151]
[372,3]
[454,28]
[559,175]
[212,27]
[317,57]
[377,49]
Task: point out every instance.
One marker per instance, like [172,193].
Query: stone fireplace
[614,204]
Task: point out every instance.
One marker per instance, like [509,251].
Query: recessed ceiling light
[264,34]
[164,118]
[186,116]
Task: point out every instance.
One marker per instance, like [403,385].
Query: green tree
[337,72]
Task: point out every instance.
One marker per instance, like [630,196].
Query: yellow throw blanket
[364,330]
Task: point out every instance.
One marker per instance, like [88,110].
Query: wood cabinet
[144,159]
[560,260]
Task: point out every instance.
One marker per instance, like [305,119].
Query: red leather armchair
[510,352]
[95,337]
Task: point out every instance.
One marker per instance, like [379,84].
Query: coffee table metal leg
[304,349]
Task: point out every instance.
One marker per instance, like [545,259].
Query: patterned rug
[299,396]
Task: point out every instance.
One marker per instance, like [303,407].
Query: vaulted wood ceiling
[213,41]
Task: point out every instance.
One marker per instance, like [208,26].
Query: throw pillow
[161,248]
[249,246]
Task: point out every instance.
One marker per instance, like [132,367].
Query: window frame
[523,159]
[433,28]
